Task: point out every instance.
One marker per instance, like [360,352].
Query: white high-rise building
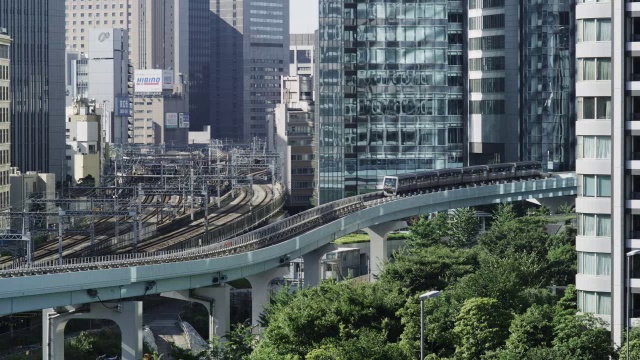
[607,106]
[108,66]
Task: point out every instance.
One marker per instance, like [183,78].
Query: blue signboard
[183,120]
[123,107]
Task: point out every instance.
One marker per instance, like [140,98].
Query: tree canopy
[495,302]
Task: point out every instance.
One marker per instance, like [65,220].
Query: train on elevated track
[480,174]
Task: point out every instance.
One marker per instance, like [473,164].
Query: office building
[81,16]
[493,56]
[37,83]
[5,120]
[163,34]
[607,147]
[107,78]
[161,111]
[294,138]
[391,97]
[302,55]
[76,76]
[84,142]
[547,83]
[250,43]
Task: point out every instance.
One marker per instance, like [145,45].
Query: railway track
[262,196]
[104,229]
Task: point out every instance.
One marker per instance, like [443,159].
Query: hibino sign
[148,81]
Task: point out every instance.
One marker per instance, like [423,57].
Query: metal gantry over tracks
[145,192]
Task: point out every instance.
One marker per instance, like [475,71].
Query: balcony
[633,84]
[633,46]
[633,7]
[633,123]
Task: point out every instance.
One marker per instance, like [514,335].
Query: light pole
[423,297]
[630,254]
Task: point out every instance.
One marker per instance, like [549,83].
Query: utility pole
[138,218]
[251,192]
[60,215]
[115,208]
[205,192]
[191,192]
[92,230]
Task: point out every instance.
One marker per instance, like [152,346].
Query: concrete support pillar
[312,268]
[312,264]
[127,315]
[379,253]
[260,290]
[217,301]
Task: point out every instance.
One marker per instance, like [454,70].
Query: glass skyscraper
[547,83]
[391,96]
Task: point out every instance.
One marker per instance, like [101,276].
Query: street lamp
[630,254]
[423,297]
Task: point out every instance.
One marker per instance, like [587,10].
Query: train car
[498,172]
[392,185]
[475,174]
[448,177]
[426,179]
[527,169]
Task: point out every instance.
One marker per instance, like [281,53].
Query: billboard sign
[183,120]
[123,107]
[167,79]
[171,121]
[148,81]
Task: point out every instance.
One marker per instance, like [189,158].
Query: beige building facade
[5,121]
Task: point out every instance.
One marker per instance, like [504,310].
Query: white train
[392,185]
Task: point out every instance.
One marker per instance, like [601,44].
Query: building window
[594,69]
[590,108]
[598,264]
[594,302]
[594,147]
[596,186]
[594,225]
[594,30]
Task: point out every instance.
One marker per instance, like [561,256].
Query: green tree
[440,315]
[428,232]
[531,354]
[364,344]
[583,337]
[504,278]
[463,228]
[329,312]
[566,209]
[532,329]
[504,214]
[568,304]
[239,344]
[634,345]
[520,235]
[482,325]
[418,269]
[562,256]
[91,345]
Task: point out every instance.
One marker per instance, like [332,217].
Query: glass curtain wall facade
[493,52]
[390,91]
[548,98]
[199,64]
[37,84]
